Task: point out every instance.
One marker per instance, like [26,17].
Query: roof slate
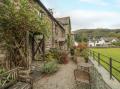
[64,20]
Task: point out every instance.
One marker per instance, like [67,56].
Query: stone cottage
[57,36]
[66,23]
[57,31]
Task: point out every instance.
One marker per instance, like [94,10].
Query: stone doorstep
[113,83]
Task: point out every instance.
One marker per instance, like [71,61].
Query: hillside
[85,34]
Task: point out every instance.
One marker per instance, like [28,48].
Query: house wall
[65,22]
[100,43]
[55,31]
[67,28]
[59,35]
[67,33]
[72,39]
[2,56]
[91,44]
[49,42]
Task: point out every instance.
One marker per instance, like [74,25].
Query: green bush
[55,53]
[63,59]
[50,67]
[85,54]
[52,55]
[49,56]
[116,43]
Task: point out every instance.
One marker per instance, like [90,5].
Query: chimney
[51,11]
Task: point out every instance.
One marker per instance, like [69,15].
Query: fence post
[99,59]
[110,68]
[93,55]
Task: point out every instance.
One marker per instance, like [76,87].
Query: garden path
[63,79]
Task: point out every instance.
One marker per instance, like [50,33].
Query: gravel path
[63,79]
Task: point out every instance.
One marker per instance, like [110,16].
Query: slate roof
[107,39]
[64,20]
[49,14]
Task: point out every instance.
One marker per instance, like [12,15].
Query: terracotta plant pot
[64,58]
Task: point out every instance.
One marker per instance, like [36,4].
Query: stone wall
[97,81]
[2,56]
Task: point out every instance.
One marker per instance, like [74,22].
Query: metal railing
[110,64]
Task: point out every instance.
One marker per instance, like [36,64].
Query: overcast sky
[87,13]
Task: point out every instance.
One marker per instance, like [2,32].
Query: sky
[87,14]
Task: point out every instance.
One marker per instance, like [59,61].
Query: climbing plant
[68,41]
[17,17]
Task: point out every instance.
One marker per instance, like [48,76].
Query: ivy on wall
[16,18]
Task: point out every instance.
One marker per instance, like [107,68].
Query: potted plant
[63,58]
[85,54]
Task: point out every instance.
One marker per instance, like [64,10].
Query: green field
[114,53]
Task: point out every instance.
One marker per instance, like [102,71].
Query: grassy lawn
[110,52]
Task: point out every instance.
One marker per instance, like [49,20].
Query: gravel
[63,79]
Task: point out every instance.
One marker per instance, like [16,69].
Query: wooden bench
[84,66]
[82,77]
[12,80]
[21,85]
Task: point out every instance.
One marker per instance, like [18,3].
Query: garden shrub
[82,46]
[85,54]
[50,67]
[49,56]
[55,53]
[63,57]
[117,44]
[74,53]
